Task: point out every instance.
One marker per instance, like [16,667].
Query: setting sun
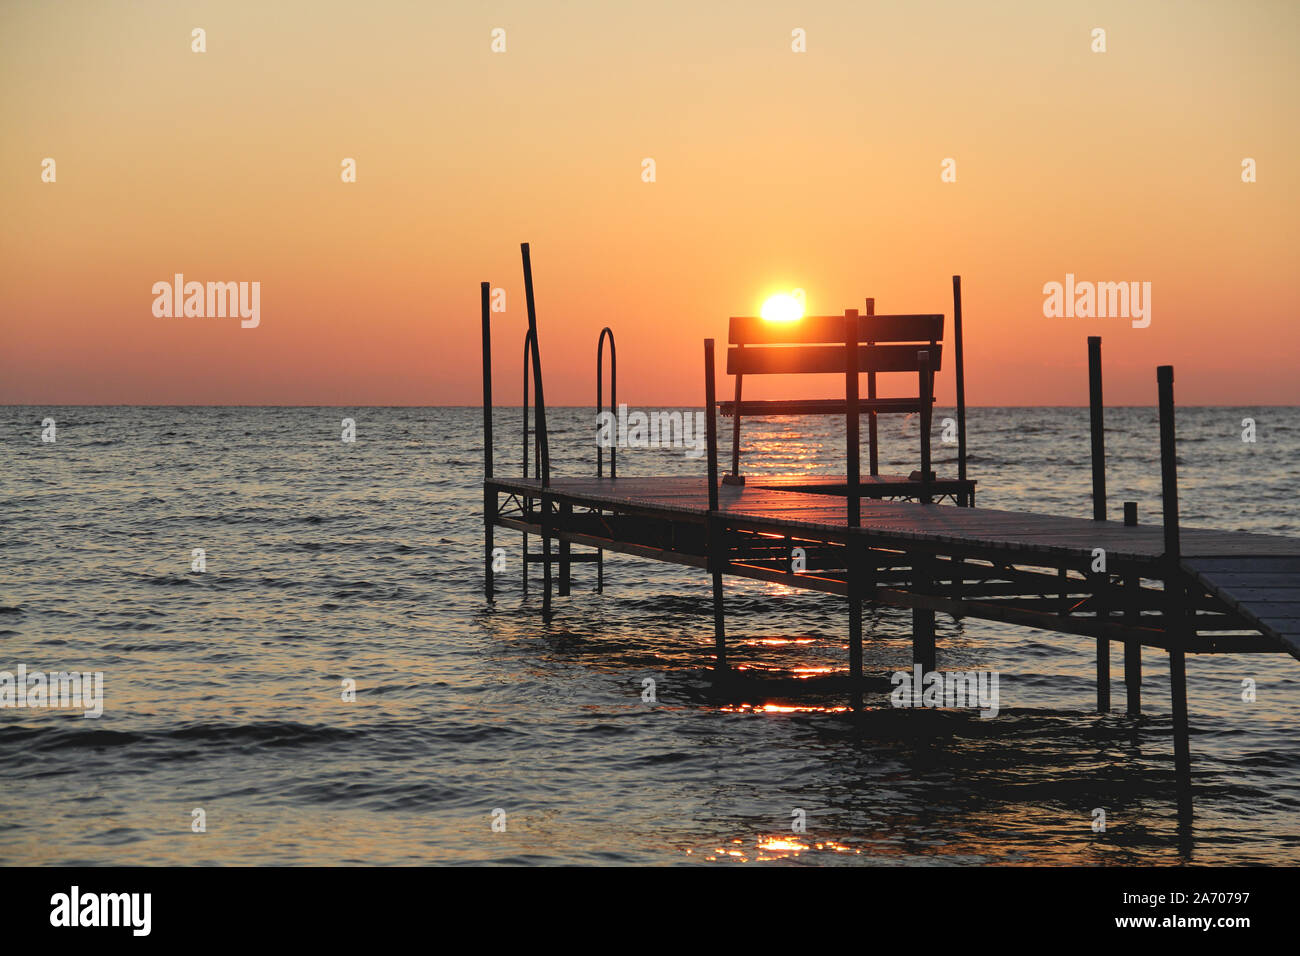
[782,308]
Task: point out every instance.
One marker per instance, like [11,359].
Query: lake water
[329,562]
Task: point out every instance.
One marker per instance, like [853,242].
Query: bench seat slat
[819,406]
[813,329]
[800,359]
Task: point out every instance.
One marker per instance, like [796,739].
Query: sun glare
[782,308]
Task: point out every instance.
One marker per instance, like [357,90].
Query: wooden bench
[825,344]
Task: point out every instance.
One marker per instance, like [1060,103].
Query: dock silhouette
[891,539]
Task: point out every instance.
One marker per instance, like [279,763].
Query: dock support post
[1178,696]
[922,618]
[1096,422]
[546,557]
[566,513]
[855,585]
[715,542]
[873,428]
[926,376]
[1133,649]
[489,497]
[527,502]
[1176,610]
[961,379]
[613,410]
[1103,676]
[923,639]
[1097,428]
[853,449]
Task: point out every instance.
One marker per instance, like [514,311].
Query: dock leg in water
[855,583]
[1178,695]
[922,621]
[717,552]
[1182,750]
[546,559]
[566,512]
[923,639]
[719,626]
[489,502]
[1103,676]
[1133,651]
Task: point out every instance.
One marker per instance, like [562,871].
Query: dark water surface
[329,561]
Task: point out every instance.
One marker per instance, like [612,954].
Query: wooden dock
[887,539]
[985,563]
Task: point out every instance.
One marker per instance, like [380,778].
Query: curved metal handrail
[613,399]
[528,341]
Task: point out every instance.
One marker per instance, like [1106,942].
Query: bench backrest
[815,344]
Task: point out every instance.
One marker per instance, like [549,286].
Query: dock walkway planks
[1258,575]
[1265,589]
[765,499]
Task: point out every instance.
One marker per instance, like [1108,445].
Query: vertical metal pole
[613,408]
[926,388]
[542,437]
[1168,462]
[489,495]
[961,378]
[1176,624]
[1098,429]
[851,413]
[873,434]
[715,545]
[735,419]
[526,501]
[539,400]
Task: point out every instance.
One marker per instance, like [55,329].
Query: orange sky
[774,170]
